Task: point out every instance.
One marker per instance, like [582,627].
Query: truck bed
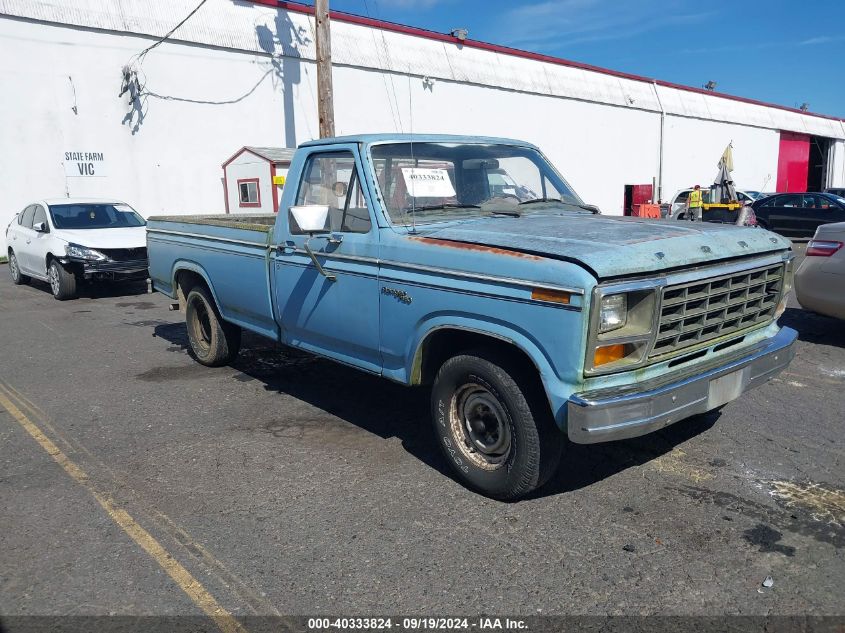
[232,250]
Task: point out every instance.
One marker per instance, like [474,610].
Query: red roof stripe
[515,52]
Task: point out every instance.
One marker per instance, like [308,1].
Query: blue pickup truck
[470,265]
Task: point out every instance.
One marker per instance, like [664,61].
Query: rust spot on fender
[468,246]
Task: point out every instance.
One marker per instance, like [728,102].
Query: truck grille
[703,310]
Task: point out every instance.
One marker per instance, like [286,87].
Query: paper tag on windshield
[428,183]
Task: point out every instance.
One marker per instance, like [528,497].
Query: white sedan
[67,240]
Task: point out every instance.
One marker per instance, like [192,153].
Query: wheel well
[441,345]
[185,280]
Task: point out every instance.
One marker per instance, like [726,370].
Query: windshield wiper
[587,207]
[438,207]
[533,200]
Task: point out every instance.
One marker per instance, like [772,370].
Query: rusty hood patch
[615,246]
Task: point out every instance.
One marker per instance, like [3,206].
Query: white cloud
[823,39]
[560,23]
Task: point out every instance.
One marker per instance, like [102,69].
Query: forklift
[720,203]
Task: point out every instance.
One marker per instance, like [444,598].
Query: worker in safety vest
[694,204]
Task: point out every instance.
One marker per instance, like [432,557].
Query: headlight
[622,325]
[613,313]
[83,252]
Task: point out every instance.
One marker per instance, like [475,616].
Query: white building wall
[836,173]
[240,74]
[693,147]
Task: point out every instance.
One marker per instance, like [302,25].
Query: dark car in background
[798,214]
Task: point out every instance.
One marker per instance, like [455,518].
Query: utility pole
[325,98]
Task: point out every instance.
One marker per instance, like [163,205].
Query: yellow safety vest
[695,198]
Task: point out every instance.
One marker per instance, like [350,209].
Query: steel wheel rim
[53,276]
[480,426]
[201,324]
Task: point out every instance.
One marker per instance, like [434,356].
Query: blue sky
[781,51]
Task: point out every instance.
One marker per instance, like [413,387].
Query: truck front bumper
[631,410]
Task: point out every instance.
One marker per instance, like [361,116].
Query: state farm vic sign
[82,164]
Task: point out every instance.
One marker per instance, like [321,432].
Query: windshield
[94,216]
[434,182]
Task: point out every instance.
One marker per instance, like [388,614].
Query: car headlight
[613,313]
[83,252]
[622,326]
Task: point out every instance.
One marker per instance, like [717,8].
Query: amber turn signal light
[609,354]
[552,296]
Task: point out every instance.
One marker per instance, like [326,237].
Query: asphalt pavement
[134,481]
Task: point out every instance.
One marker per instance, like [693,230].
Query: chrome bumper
[622,412]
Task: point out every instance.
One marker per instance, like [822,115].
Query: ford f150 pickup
[469,264]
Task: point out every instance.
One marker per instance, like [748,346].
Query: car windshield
[435,182]
[94,216]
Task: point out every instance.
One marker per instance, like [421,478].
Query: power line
[141,55]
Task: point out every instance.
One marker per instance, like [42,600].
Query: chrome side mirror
[40,227]
[310,218]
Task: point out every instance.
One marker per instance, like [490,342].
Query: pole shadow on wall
[283,46]
[284,68]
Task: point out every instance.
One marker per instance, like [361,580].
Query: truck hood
[131,237]
[615,246]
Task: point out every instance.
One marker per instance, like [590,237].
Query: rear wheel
[62,281]
[493,438]
[15,273]
[213,341]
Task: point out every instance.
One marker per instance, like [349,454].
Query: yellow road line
[181,576]
[223,574]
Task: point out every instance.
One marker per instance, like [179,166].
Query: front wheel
[15,273]
[213,341]
[488,431]
[62,282]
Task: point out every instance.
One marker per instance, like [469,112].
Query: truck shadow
[584,464]
[100,290]
[814,328]
[389,410]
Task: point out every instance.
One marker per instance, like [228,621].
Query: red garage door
[793,161]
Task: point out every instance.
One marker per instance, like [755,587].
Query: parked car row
[67,241]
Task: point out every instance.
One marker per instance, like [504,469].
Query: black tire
[213,341]
[18,278]
[62,282]
[488,430]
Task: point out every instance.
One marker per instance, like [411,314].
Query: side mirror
[310,218]
[40,227]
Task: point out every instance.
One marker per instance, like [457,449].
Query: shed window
[248,193]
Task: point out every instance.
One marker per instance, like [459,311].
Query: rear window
[94,216]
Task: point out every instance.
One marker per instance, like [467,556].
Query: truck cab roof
[369,139]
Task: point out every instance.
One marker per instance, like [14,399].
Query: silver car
[820,280]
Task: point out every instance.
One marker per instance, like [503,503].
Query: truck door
[339,318]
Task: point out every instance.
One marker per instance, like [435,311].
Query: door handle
[333,238]
[285,249]
[28,241]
